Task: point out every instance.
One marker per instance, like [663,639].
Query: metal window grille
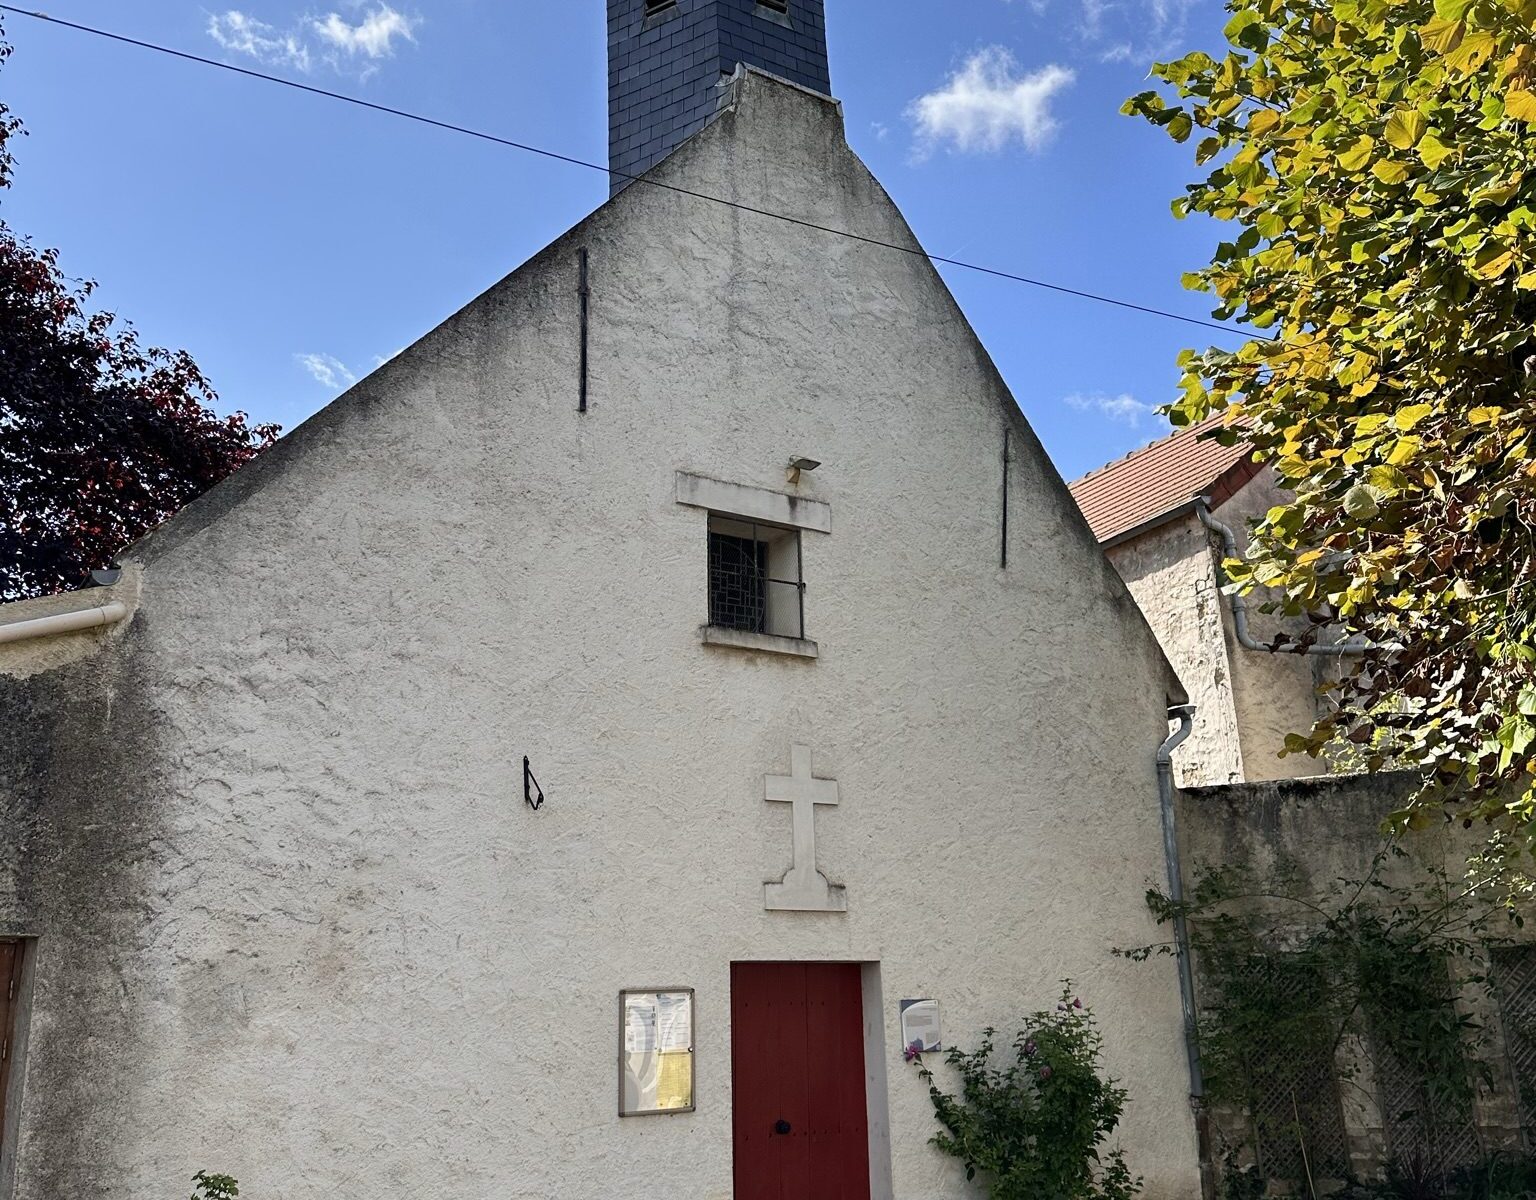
[656,6]
[755,578]
[1514,976]
[1296,1119]
[778,6]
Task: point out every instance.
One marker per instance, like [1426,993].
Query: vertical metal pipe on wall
[1007,458]
[584,299]
[1184,714]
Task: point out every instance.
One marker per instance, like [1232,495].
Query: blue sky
[291,243]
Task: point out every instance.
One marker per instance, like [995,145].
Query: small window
[778,6]
[652,7]
[755,582]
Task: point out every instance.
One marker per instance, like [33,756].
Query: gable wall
[334,953]
[1171,570]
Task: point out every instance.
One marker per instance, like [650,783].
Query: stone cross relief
[804,889]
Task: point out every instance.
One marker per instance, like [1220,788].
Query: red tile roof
[1158,479]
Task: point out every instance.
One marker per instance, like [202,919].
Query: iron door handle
[781,1126]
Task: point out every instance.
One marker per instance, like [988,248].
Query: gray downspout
[1239,602]
[1184,714]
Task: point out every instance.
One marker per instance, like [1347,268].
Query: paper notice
[640,1013]
[674,1021]
[920,1025]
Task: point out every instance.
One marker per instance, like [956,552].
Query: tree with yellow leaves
[1377,161]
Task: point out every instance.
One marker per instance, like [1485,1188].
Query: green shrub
[1032,1124]
[214,1187]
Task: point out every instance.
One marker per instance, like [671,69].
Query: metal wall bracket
[530,786]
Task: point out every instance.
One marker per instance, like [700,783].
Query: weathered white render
[1246,701]
[293,920]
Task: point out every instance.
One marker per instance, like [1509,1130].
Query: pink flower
[1045,1073]
[914,1051]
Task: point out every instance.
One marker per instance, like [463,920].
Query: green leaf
[1433,151]
[1405,128]
[1362,501]
[1357,155]
[1440,36]
[1410,415]
[1521,105]
[1516,733]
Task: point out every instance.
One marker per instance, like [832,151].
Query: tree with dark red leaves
[101,438]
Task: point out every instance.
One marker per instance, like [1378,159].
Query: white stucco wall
[1171,570]
[295,922]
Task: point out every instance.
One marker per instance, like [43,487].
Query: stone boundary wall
[1297,836]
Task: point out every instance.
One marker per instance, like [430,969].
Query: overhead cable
[644,180]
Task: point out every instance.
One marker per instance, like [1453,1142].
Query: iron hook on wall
[530,786]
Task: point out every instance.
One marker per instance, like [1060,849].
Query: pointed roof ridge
[1156,481]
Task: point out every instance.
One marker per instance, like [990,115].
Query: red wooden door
[797,1069]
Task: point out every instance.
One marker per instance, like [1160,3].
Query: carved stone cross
[804,889]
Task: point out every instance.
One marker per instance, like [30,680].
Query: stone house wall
[1246,701]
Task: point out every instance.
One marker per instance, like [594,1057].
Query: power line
[578,162]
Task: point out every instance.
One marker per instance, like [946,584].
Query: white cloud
[236,31]
[988,103]
[1133,31]
[327,370]
[374,36]
[1124,409]
[331,40]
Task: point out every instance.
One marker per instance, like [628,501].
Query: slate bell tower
[667,59]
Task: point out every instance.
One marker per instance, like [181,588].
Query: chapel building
[576,763]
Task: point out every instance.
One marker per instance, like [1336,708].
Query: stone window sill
[741,639]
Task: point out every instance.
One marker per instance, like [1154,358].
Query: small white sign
[920,1026]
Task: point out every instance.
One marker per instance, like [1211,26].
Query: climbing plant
[1288,975]
[1031,1119]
